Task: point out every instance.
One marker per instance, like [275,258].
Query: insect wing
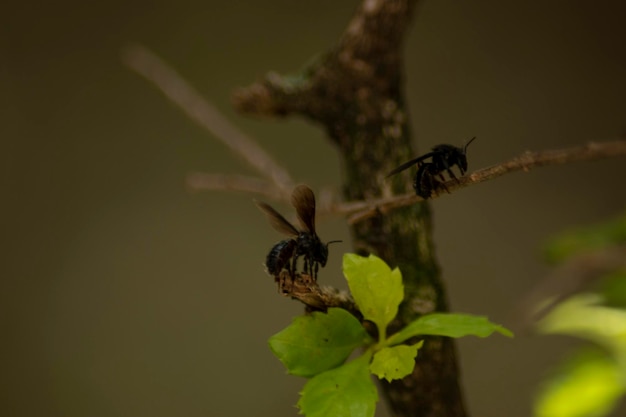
[278,222]
[409,164]
[303,200]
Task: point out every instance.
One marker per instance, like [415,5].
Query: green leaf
[449,324]
[377,290]
[588,384]
[319,341]
[395,362]
[347,391]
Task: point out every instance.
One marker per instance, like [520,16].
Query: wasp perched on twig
[429,175]
[302,243]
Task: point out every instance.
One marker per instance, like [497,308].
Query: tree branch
[357,211]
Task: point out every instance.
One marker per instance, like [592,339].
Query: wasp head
[324,252]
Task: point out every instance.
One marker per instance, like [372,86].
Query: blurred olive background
[125,295]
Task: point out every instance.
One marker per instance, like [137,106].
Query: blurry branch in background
[200,110]
[576,274]
[278,183]
[202,181]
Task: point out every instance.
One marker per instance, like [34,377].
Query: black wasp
[443,158]
[303,242]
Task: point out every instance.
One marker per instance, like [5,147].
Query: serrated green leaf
[347,391]
[395,362]
[318,342]
[449,324]
[377,290]
[588,384]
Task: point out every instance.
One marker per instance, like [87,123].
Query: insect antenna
[467,144]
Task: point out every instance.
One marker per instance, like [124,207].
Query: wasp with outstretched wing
[302,242]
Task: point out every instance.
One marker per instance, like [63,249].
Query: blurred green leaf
[319,341]
[395,362]
[376,289]
[588,384]
[587,238]
[449,324]
[613,288]
[583,316]
[346,391]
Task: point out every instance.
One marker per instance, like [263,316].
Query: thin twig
[360,210]
[205,114]
[305,289]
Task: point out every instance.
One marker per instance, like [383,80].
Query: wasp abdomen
[280,256]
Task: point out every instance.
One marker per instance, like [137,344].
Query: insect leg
[442,184]
[294,265]
[451,174]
